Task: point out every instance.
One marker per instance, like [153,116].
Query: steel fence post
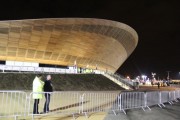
[160,101]
[145,100]
[169,100]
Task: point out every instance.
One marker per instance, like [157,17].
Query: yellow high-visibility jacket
[37,87]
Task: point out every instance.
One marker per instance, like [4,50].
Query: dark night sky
[157,23]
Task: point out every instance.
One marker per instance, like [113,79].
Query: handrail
[123,80]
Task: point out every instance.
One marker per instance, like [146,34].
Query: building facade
[82,42]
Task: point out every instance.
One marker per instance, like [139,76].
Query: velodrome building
[84,42]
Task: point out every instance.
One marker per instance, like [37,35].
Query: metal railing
[131,100]
[120,77]
[18,103]
[99,102]
[13,104]
[124,81]
[60,103]
[157,98]
[121,84]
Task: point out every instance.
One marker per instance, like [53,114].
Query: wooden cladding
[63,41]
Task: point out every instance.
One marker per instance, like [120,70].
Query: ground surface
[170,112]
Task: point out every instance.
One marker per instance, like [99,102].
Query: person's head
[39,76]
[48,77]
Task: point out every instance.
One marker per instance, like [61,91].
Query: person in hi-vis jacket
[38,85]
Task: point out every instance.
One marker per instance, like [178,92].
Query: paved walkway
[170,112]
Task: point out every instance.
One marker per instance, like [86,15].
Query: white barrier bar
[131,100]
[99,102]
[60,103]
[13,104]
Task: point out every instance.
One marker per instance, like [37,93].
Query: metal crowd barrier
[153,98]
[60,103]
[171,97]
[131,100]
[99,102]
[122,79]
[177,94]
[164,98]
[19,104]
[13,104]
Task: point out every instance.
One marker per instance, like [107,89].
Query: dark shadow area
[102,106]
[68,106]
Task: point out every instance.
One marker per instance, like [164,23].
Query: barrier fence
[131,100]
[20,104]
[163,98]
[177,94]
[60,103]
[99,102]
[10,101]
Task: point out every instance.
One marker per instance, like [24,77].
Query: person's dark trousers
[46,105]
[35,109]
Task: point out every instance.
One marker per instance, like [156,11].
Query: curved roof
[100,43]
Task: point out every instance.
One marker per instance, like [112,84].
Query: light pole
[168,74]
[144,78]
[153,75]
